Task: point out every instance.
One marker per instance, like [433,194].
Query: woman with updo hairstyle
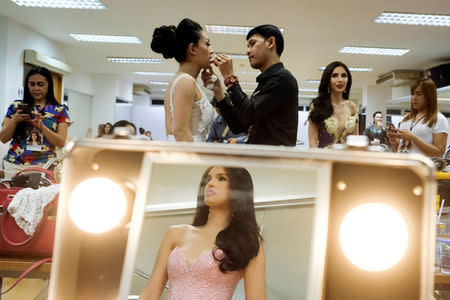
[207,259]
[188,112]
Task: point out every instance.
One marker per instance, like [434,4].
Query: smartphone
[26,108]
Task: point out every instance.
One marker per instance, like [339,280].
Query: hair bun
[164,41]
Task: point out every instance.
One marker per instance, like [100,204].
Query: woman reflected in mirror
[207,259]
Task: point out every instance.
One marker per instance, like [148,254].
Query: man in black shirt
[270,116]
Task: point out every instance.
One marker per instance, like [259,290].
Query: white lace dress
[201,116]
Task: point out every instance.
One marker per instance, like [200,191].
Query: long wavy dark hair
[240,239]
[27,98]
[323,108]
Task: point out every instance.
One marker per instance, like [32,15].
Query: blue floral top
[34,148]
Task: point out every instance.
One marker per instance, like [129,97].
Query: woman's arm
[158,279]
[255,277]
[354,111]
[183,98]
[57,138]
[393,139]
[313,131]
[436,149]
[10,124]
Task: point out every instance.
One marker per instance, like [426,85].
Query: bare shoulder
[177,233]
[352,106]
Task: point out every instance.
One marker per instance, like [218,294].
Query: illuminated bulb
[97,205]
[373,236]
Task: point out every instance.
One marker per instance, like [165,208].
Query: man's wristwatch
[230,80]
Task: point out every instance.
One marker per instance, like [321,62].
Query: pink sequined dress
[202,281]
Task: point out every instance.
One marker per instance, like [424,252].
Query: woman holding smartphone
[424,130]
[46,117]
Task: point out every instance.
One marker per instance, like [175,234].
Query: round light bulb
[373,236]
[97,205]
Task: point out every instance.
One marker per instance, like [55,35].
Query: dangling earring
[329,90]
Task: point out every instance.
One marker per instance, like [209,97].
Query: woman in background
[207,259]
[107,128]
[48,117]
[332,116]
[188,112]
[424,130]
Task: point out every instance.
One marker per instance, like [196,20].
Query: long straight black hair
[240,239]
[27,98]
[323,108]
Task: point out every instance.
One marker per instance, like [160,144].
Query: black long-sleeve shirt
[271,114]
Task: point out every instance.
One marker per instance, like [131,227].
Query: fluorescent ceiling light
[374,51]
[107,38]
[307,96]
[76,4]
[159,82]
[249,72]
[413,19]
[307,90]
[352,69]
[313,80]
[222,29]
[237,56]
[162,74]
[134,60]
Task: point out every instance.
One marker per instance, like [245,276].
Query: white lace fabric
[201,116]
[27,206]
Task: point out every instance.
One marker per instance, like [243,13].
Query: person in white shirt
[424,129]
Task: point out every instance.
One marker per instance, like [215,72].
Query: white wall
[123,112]
[19,38]
[80,82]
[124,88]
[80,114]
[150,118]
[103,107]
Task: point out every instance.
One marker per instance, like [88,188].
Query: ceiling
[314,33]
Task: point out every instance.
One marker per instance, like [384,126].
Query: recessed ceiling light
[161,74]
[159,82]
[307,90]
[352,69]
[222,29]
[374,51]
[237,56]
[413,19]
[107,38]
[76,4]
[134,60]
[312,81]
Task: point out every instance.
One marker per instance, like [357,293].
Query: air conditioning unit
[399,77]
[141,90]
[41,60]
